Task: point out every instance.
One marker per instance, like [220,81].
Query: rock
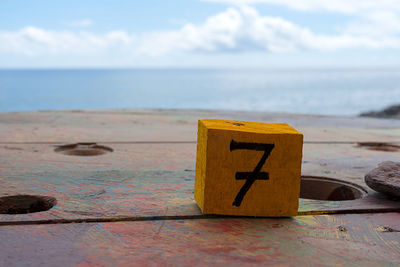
[385,178]
[392,112]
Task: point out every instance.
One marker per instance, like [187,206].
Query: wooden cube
[248,168]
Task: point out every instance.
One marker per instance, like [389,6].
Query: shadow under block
[247,168]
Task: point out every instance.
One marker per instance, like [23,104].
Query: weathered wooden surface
[150,177]
[328,240]
[145,125]
[156,179]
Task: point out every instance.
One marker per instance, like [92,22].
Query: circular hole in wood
[379,146]
[323,188]
[21,204]
[83,149]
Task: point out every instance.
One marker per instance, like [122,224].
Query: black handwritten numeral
[251,177]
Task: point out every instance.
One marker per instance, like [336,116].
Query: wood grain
[135,205]
[328,240]
[177,125]
[144,180]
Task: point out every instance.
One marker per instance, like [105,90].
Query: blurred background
[309,56]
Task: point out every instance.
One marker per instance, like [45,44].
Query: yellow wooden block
[248,168]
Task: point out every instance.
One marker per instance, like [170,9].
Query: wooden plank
[339,240]
[144,180]
[344,161]
[170,125]
[91,127]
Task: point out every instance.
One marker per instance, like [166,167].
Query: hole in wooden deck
[379,146]
[323,188]
[83,149]
[21,204]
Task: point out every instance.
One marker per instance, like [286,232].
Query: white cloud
[244,29]
[370,17]
[377,23]
[35,41]
[238,29]
[341,6]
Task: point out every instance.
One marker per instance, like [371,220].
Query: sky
[199,33]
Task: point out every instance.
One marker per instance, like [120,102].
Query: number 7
[251,177]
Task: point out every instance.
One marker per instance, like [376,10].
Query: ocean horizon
[339,91]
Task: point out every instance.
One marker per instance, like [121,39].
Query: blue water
[338,91]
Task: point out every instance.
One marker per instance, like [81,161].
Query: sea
[338,91]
